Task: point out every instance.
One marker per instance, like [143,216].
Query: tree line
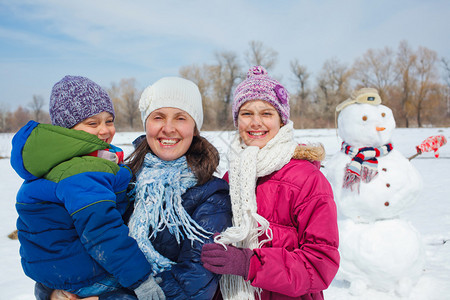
[414,83]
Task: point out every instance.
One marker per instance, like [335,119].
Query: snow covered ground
[430,215]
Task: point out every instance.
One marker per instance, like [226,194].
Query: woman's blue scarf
[158,204]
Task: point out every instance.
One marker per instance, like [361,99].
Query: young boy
[71,203]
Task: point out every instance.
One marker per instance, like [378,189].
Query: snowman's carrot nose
[380,128]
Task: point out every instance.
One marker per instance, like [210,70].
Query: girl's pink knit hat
[259,86]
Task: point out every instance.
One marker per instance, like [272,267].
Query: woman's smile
[168,142]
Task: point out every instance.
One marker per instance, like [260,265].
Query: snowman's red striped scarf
[364,164]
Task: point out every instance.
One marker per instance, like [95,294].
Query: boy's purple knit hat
[75,98]
[259,86]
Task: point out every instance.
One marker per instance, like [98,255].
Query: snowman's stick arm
[415,155]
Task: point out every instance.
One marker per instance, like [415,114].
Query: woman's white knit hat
[174,92]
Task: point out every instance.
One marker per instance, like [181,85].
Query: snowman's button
[386,203]
[388,184]
[384,169]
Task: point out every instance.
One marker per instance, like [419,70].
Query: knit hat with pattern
[259,86]
[75,98]
[174,92]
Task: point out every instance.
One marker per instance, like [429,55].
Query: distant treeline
[414,83]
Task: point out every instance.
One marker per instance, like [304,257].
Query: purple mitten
[234,260]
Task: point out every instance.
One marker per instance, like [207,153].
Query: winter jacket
[303,258]
[209,205]
[70,210]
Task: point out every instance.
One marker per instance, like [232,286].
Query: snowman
[373,183]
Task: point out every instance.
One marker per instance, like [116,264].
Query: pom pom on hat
[259,86]
[174,92]
[75,98]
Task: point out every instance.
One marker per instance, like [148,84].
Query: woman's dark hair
[202,157]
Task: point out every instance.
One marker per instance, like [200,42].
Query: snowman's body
[396,186]
[378,249]
[385,255]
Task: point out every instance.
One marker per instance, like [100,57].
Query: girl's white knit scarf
[246,165]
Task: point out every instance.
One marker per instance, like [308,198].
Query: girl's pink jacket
[302,259]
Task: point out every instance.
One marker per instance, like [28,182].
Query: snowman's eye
[383,115]
[364,118]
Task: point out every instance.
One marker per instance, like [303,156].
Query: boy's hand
[150,290]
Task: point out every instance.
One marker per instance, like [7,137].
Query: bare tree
[36,107]
[260,55]
[446,65]
[426,83]
[5,116]
[405,65]
[125,97]
[114,94]
[407,84]
[404,79]
[301,75]
[227,71]
[216,84]
[19,118]
[204,76]
[376,69]
[332,88]
[130,101]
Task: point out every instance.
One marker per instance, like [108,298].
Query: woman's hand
[64,295]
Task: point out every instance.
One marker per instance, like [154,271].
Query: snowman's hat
[362,96]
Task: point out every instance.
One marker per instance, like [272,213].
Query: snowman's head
[366,125]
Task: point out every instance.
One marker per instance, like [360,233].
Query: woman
[178,201]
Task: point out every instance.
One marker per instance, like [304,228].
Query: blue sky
[107,40]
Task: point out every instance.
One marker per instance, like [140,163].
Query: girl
[178,201]
[284,239]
